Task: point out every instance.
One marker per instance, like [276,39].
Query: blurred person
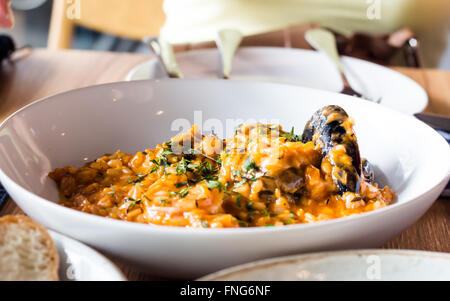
[197,21]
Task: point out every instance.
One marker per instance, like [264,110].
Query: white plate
[358,265]
[74,127]
[298,67]
[79,262]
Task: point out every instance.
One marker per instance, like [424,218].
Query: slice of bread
[27,251]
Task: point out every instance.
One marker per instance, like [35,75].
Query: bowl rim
[220,231]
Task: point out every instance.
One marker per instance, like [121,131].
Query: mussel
[331,129]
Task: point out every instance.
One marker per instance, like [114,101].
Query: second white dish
[298,67]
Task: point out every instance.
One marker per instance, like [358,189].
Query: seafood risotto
[263,176]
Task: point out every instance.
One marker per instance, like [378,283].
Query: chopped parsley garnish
[237,172]
[291,136]
[242,224]
[132,203]
[184,192]
[249,164]
[215,184]
[112,190]
[205,224]
[238,200]
[266,212]
[182,166]
[154,169]
[140,178]
[178,185]
[270,225]
[249,205]
[240,183]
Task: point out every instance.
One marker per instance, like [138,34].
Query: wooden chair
[132,19]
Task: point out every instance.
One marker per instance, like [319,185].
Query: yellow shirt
[192,21]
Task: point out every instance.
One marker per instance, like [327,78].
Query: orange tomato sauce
[262,176]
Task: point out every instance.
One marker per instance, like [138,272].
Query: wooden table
[47,72]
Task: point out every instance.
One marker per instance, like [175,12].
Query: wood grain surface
[45,72]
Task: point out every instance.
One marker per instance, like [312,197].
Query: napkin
[445,193]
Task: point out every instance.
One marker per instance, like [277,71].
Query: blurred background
[32,23]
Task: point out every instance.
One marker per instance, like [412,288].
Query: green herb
[192,166]
[237,172]
[238,200]
[182,166]
[112,190]
[154,169]
[252,178]
[291,136]
[205,224]
[249,205]
[249,164]
[215,184]
[144,153]
[163,161]
[270,225]
[292,214]
[165,202]
[178,185]
[262,130]
[140,178]
[288,222]
[184,192]
[240,183]
[266,212]
[242,224]
[167,152]
[132,203]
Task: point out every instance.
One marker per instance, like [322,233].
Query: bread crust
[25,221]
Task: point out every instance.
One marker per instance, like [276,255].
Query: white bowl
[80,125]
[78,262]
[355,265]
